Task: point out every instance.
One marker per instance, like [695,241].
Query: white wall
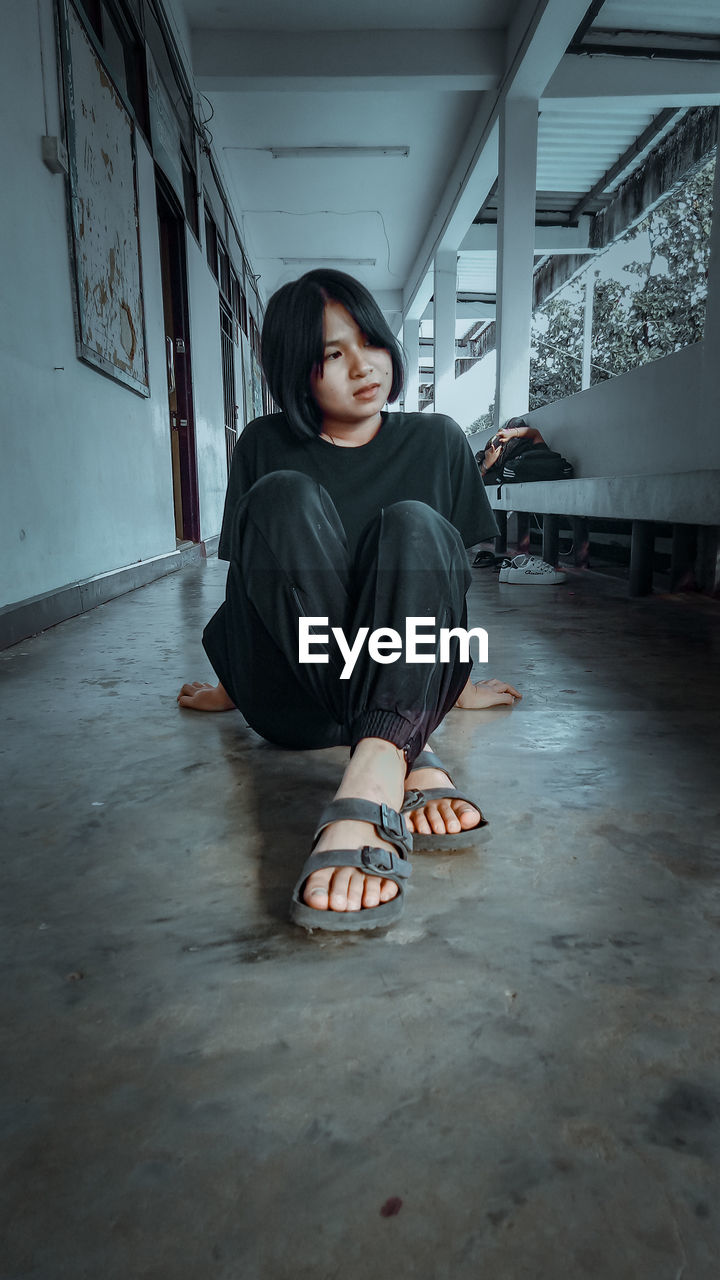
[647,421]
[86,481]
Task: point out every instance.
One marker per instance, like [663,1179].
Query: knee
[424,534]
[286,487]
[285,494]
[409,516]
[410,513]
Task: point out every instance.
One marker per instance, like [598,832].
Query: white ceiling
[292,92]
[420,74]
[317,208]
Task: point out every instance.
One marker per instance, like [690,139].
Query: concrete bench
[686,500]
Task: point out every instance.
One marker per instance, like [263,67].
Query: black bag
[536,463]
[511,449]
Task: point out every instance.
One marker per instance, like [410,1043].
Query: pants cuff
[390,726]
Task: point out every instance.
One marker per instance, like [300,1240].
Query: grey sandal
[415,799]
[385,863]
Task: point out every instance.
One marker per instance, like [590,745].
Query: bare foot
[375,772]
[486,693]
[201,696]
[438,817]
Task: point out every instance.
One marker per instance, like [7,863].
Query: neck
[351,436]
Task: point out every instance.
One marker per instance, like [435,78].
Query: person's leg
[290,558]
[410,563]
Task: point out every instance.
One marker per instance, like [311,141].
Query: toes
[435,818]
[422,826]
[371,891]
[315,893]
[388,890]
[449,816]
[355,889]
[339,888]
[468,815]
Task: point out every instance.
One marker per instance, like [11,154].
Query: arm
[516,433]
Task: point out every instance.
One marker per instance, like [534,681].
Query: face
[356,378]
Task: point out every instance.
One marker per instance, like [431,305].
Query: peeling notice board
[104,223]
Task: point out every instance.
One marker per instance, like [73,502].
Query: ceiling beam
[242,61]
[389,300]
[650,44]
[482,238]
[538,36]
[633,81]
[468,311]
[590,16]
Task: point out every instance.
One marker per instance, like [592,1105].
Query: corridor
[517,1080]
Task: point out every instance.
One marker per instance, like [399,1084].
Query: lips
[367,392]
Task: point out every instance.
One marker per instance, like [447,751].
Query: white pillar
[587,330]
[711,337]
[444,307]
[516,244]
[411,345]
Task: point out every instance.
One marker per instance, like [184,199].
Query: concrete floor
[521,1079]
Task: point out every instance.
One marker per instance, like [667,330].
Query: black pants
[290,558]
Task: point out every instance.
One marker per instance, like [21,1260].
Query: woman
[339,515]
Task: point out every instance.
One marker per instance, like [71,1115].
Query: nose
[361,365]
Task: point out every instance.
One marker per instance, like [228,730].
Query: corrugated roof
[477,272]
[574,152]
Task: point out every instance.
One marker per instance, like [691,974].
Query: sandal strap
[386,821]
[374,861]
[416,799]
[428,760]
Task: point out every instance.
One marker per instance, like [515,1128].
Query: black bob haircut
[293,341]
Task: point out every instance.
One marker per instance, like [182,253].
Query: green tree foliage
[658,306]
[556,352]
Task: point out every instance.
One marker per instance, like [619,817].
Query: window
[190,195]
[122,50]
[211,243]
[223,269]
[173,79]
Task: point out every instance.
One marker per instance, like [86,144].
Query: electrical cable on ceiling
[201,126]
[337,213]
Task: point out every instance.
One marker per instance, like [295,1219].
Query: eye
[333,355]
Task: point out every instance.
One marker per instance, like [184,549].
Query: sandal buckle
[413,799]
[391,823]
[376,859]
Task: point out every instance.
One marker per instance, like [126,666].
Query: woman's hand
[201,696]
[486,693]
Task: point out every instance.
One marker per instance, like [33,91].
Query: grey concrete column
[501,520]
[411,346]
[444,306]
[516,244]
[642,547]
[551,539]
[684,554]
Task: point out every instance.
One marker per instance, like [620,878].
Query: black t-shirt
[421,456]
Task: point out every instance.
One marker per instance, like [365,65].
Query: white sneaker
[530,569]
